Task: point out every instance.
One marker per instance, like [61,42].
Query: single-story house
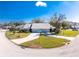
[36,27]
[40,27]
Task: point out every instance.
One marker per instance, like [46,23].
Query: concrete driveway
[30,37]
[9,49]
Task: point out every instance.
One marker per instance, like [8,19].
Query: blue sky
[16,11]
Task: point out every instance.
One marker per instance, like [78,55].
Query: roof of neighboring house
[73,21]
[19,27]
[40,26]
[26,26]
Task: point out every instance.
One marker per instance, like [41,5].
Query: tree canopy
[37,20]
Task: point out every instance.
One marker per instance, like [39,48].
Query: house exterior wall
[28,29]
[40,30]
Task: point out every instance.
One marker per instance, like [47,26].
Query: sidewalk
[28,38]
[64,37]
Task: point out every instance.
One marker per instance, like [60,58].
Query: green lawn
[69,33]
[16,35]
[46,42]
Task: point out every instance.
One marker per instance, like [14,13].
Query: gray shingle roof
[40,26]
[35,26]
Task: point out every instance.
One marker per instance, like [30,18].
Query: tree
[17,23]
[37,20]
[56,21]
[65,25]
[14,24]
[12,29]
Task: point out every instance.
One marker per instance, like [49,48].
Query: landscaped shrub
[24,31]
[57,31]
[16,35]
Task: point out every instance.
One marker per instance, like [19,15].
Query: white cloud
[40,3]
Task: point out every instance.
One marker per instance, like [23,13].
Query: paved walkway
[32,36]
[64,37]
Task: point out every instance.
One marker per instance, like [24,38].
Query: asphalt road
[9,49]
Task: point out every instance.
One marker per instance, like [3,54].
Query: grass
[16,35]
[46,42]
[69,33]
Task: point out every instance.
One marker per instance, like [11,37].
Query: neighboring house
[27,27]
[20,27]
[24,27]
[74,25]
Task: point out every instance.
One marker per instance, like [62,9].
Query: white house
[40,27]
